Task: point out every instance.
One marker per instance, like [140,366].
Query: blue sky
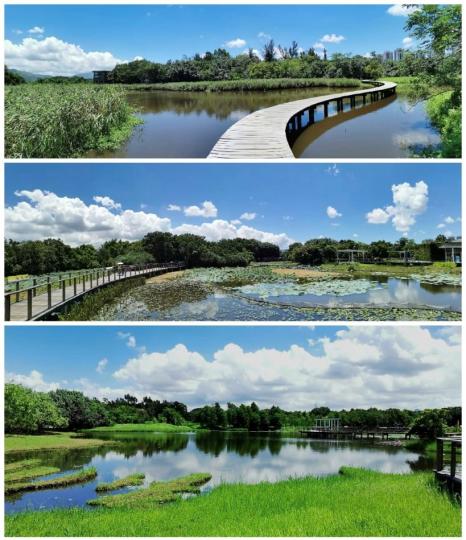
[167,32]
[279,202]
[294,367]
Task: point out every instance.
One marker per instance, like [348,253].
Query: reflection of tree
[422,463]
[241,443]
[147,443]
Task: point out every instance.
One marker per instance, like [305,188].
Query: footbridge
[270,133]
[40,297]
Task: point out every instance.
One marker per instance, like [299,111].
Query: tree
[27,411]
[80,411]
[12,78]
[429,424]
[269,51]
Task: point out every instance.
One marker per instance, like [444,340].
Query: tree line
[35,257]
[29,411]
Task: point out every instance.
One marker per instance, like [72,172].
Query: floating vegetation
[333,287]
[85,475]
[136,479]
[453,280]
[156,493]
[19,475]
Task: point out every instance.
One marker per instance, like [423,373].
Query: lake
[200,300]
[188,124]
[228,456]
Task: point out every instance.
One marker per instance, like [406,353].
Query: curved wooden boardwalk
[268,133]
[42,300]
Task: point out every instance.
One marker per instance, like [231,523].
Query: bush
[446,117]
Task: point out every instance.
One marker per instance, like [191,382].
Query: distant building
[388,56]
[398,54]
[453,250]
[102,77]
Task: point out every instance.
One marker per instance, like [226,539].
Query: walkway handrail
[269,133]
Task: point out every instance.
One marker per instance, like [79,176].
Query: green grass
[87,308]
[246,85]
[65,120]
[79,477]
[159,427]
[28,473]
[23,464]
[156,493]
[355,503]
[136,479]
[393,269]
[49,441]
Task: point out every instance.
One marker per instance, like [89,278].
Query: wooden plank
[262,134]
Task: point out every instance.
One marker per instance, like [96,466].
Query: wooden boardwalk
[42,300]
[448,469]
[355,432]
[269,133]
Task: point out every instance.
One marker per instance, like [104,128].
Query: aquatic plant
[136,479]
[85,475]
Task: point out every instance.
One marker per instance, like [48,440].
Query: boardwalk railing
[448,462]
[354,432]
[269,133]
[24,302]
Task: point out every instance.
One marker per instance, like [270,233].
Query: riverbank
[355,502]
[49,441]
[244,85]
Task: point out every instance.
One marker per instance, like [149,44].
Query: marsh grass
[28,473]
[356,502]
[65,120]
[156,493]
[243,85]
[136,479]
[79,477]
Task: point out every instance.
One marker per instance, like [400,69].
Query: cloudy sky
[70,39]
[83,203]
[294,367]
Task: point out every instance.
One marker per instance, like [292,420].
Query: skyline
[292,367]
[363,202]
[70,39]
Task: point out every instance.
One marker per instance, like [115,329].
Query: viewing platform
[448,470]
[270,133]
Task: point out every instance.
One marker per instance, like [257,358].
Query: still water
[188,124]
[229,457]
[276,301]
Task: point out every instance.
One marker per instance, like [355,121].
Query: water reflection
[230,457]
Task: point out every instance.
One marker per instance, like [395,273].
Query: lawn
[49,441]
[356,502]
[156,427]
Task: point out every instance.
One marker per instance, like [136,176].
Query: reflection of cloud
[415,138]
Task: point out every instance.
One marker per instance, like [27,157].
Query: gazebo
[351,255]
[453,250]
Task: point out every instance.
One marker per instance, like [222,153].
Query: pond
[359,298]
[188,124]
[228,456]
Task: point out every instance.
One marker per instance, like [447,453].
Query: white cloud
[355,235]
[401,10]
[52,56]
[36,30]
[236,43]
[318,45]
[138,58]
[101,365]
[408,203]
[333,213]
[17,32]
[248,216]
[174,208]
[34,380]
[131,342]
[264,36]
[367,55]
[47,215]
[107,202]
[235,222]
[332,38]
[449,220]
[207,209]
[359,367]
[441,226]
[333,170]
[407,42]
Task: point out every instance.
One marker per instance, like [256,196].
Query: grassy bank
[79,477]
[159,427]
[354,503]
[65,120]
[246,85]
[435,269]
[136,479]
[48,441]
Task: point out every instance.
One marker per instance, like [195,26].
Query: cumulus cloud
[236,43]
[207,209]
[34,380]
[409,201]
[36,30]
[44,214]
[174,208]
[407,42]
[332,38]
[402,10]
[53,56]
[359,367]
[333,213]
[107,202]
[248,216]
[449,220]
[101,365]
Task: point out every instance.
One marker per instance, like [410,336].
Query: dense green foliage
[64,120]
[73,409]
[431,423]
[12,78]
[36,257]
[355,502]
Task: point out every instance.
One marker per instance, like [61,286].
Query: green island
[70,116]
